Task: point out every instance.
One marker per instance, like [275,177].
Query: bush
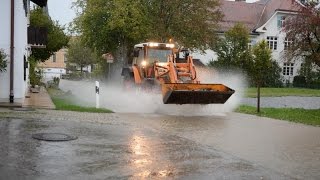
[54,83]
[315,84]
[299,81]
[75,76]
[273,78]
[3,61]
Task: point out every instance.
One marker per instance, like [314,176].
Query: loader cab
[146,54]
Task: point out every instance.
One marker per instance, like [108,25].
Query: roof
[239,11]
[253,15]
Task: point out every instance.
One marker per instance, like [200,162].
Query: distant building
[264,19]
[55,66]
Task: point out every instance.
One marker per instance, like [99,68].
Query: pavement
[37,100]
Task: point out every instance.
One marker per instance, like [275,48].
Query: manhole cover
[53,137]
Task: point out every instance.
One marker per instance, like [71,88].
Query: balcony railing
[37,37]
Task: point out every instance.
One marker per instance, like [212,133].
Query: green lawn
[310,117]
[277,92]
[67,102]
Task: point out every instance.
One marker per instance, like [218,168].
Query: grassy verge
[310,117]
[67,102]
[277,92]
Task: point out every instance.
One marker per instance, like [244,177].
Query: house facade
[264,19]
[14,18]
[55,66]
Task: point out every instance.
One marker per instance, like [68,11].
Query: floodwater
[146,139]
[289,148]
[137,146]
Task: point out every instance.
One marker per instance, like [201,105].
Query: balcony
[37,37]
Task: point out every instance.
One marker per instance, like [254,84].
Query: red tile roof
[252,15]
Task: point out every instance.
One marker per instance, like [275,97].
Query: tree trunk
[258,97]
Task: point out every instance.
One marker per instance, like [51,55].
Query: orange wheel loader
[157,66]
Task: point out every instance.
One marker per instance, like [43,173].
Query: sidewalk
[40,100]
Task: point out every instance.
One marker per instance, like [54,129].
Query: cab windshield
[159,55]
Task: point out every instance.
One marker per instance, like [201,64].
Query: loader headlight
[153,44]
[144,63]
[170,45]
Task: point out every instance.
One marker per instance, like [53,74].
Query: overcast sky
[61,11]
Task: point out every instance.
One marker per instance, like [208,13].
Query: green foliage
[192,24]
[273,78]
[54,83]
[56,37]
[108,25]
[261,63]
[68,102]
[299,81]
[79,54]
[119,23]
[232,49]
[35,75]
[311,117]
[311,73]
[3,61]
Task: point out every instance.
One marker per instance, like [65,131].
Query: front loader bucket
[180,93]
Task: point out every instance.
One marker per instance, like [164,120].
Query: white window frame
[280,21]
[272,42]
[287,43]
[287,69]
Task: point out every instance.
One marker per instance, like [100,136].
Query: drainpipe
[11,97]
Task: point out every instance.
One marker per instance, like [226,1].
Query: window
[280,21]
[65,58]
[54,58]
[287,69]
[272,42]
[287,43]
[251,44]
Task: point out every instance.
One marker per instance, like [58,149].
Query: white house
[14,18]
[264,19]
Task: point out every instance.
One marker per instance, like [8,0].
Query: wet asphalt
[155,146]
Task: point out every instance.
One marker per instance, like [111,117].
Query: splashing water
[112,96]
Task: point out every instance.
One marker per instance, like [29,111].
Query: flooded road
[136,146]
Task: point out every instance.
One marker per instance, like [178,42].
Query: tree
[274,78]
[56,37]
[304,30]
[192,24]
[80,54]
[260,66]
[233,52]
[111,26]
[3,61]
[232,49]
[118,24]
